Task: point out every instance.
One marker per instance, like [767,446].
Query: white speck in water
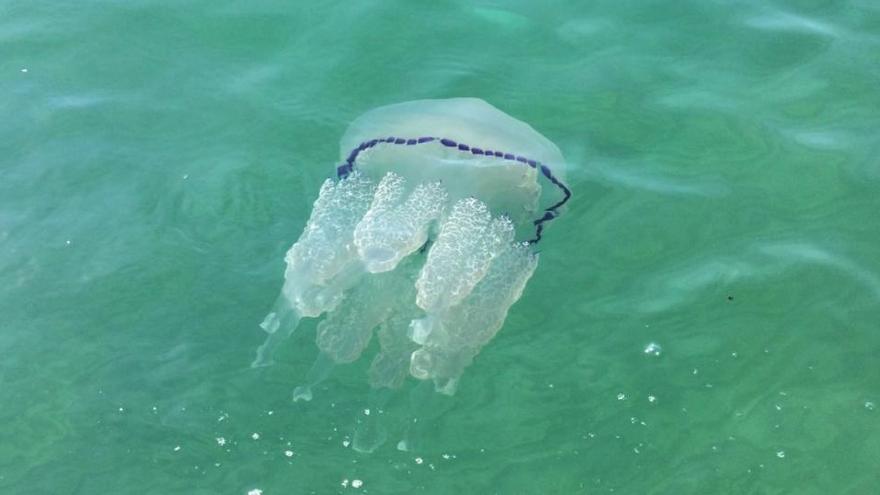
[155,409]
[288,453]
[344,483]
[67,242]
[780,454]
[636,450]
[270,413]
[653,349]
[870,405]
[357,483]
[621,396]
[255,436]
[220,441]
[185,176]
[366,412]
[177,448]
[24,71]
[445,456]
[255,491]
[778,407]
[733,354]
[419,460]
[346,443]
[121,409]
[549,385]
[651,398]
[695,371]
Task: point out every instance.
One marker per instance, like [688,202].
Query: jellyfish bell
[426,234]
[471,147]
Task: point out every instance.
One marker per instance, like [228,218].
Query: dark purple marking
[550,213]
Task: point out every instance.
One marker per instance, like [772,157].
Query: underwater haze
[704,319]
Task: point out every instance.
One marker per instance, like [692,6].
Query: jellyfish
[424,239]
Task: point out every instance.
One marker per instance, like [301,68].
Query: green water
[158,158]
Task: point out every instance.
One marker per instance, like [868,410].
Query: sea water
[704,319]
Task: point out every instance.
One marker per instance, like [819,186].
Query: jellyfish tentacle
[323,262]
[320,370]
[469,238]
[394,227]
[463,330]
[280,324]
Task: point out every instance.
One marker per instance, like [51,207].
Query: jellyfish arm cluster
[425,238]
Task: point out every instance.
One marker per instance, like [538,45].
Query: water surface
[158,158]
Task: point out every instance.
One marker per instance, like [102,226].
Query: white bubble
[870,405]
[288,453]
[255,436]
[780,454]
[24,70]
[220,441]
[419,460]
[177,448]
[357,483]
[255,491]
[621,396]
[653,349]
[651,398]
